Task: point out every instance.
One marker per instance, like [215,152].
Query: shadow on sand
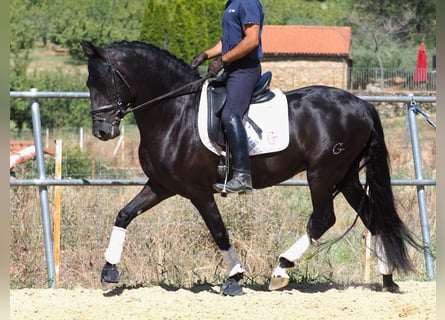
[312,287]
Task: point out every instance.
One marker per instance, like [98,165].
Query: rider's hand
[215,67]
[199,59]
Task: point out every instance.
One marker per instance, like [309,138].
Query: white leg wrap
[115,246]
[296,251]
[384,266]
[232,262]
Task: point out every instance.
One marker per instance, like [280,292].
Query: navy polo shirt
[237,14]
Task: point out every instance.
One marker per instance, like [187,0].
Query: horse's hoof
[231,288]
[393,288]
[278,283]
[109,274]
[389,285]
[108,286]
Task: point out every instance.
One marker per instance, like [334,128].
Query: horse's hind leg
[287,260]
[356,196]
[321,220]
[146,199]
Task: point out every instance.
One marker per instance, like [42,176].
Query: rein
[121,110]
[167,95]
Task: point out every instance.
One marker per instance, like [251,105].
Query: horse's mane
[143,47]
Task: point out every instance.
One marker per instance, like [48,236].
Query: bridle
[121,109]
[117,105]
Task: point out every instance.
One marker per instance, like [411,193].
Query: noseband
[117,105]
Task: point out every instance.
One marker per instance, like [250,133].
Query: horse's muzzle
[105,131]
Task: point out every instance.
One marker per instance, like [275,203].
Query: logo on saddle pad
[267,126]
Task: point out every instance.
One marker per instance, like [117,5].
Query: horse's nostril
[100,134]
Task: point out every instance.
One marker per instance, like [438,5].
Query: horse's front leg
[213,220]
[146,199]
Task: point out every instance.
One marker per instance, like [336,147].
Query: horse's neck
[155,85]
[177,111]
[157,77]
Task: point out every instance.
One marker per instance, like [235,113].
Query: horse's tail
[384,219]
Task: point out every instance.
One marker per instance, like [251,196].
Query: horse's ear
[91,50]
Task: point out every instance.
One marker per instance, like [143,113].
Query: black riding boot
[237,139]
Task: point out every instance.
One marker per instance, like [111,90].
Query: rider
[239,52]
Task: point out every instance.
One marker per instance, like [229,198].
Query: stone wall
[291,74]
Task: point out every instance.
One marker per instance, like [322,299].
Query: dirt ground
[297,301]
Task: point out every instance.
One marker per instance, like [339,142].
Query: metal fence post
[420,189]
[43,191]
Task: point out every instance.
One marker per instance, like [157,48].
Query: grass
[52,59]
[171,245]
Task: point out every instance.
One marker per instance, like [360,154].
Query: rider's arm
[246,45]
[214,51]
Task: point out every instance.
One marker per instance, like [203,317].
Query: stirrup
[240,183]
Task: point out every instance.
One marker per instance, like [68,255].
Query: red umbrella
[421,66]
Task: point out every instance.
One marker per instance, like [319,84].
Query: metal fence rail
[141,182]
[42,182]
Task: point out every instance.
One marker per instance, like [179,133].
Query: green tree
[19,108]
[22,38]
[25,21]
[182,32]
[182,27]
[154,24]
[305,12]
[211,16]
[99,21]
[381,25]
[55,113]
[423,22]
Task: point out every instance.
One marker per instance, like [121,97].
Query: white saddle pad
[271,116]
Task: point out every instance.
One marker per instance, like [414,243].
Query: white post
[123,145]
[57,211]
[81,139]
[47,138]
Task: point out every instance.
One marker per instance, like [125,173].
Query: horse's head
[110,93]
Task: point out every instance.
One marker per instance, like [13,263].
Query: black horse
[332,135]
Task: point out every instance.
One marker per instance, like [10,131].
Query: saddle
[216,98]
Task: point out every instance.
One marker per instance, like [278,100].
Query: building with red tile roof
[307,55]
